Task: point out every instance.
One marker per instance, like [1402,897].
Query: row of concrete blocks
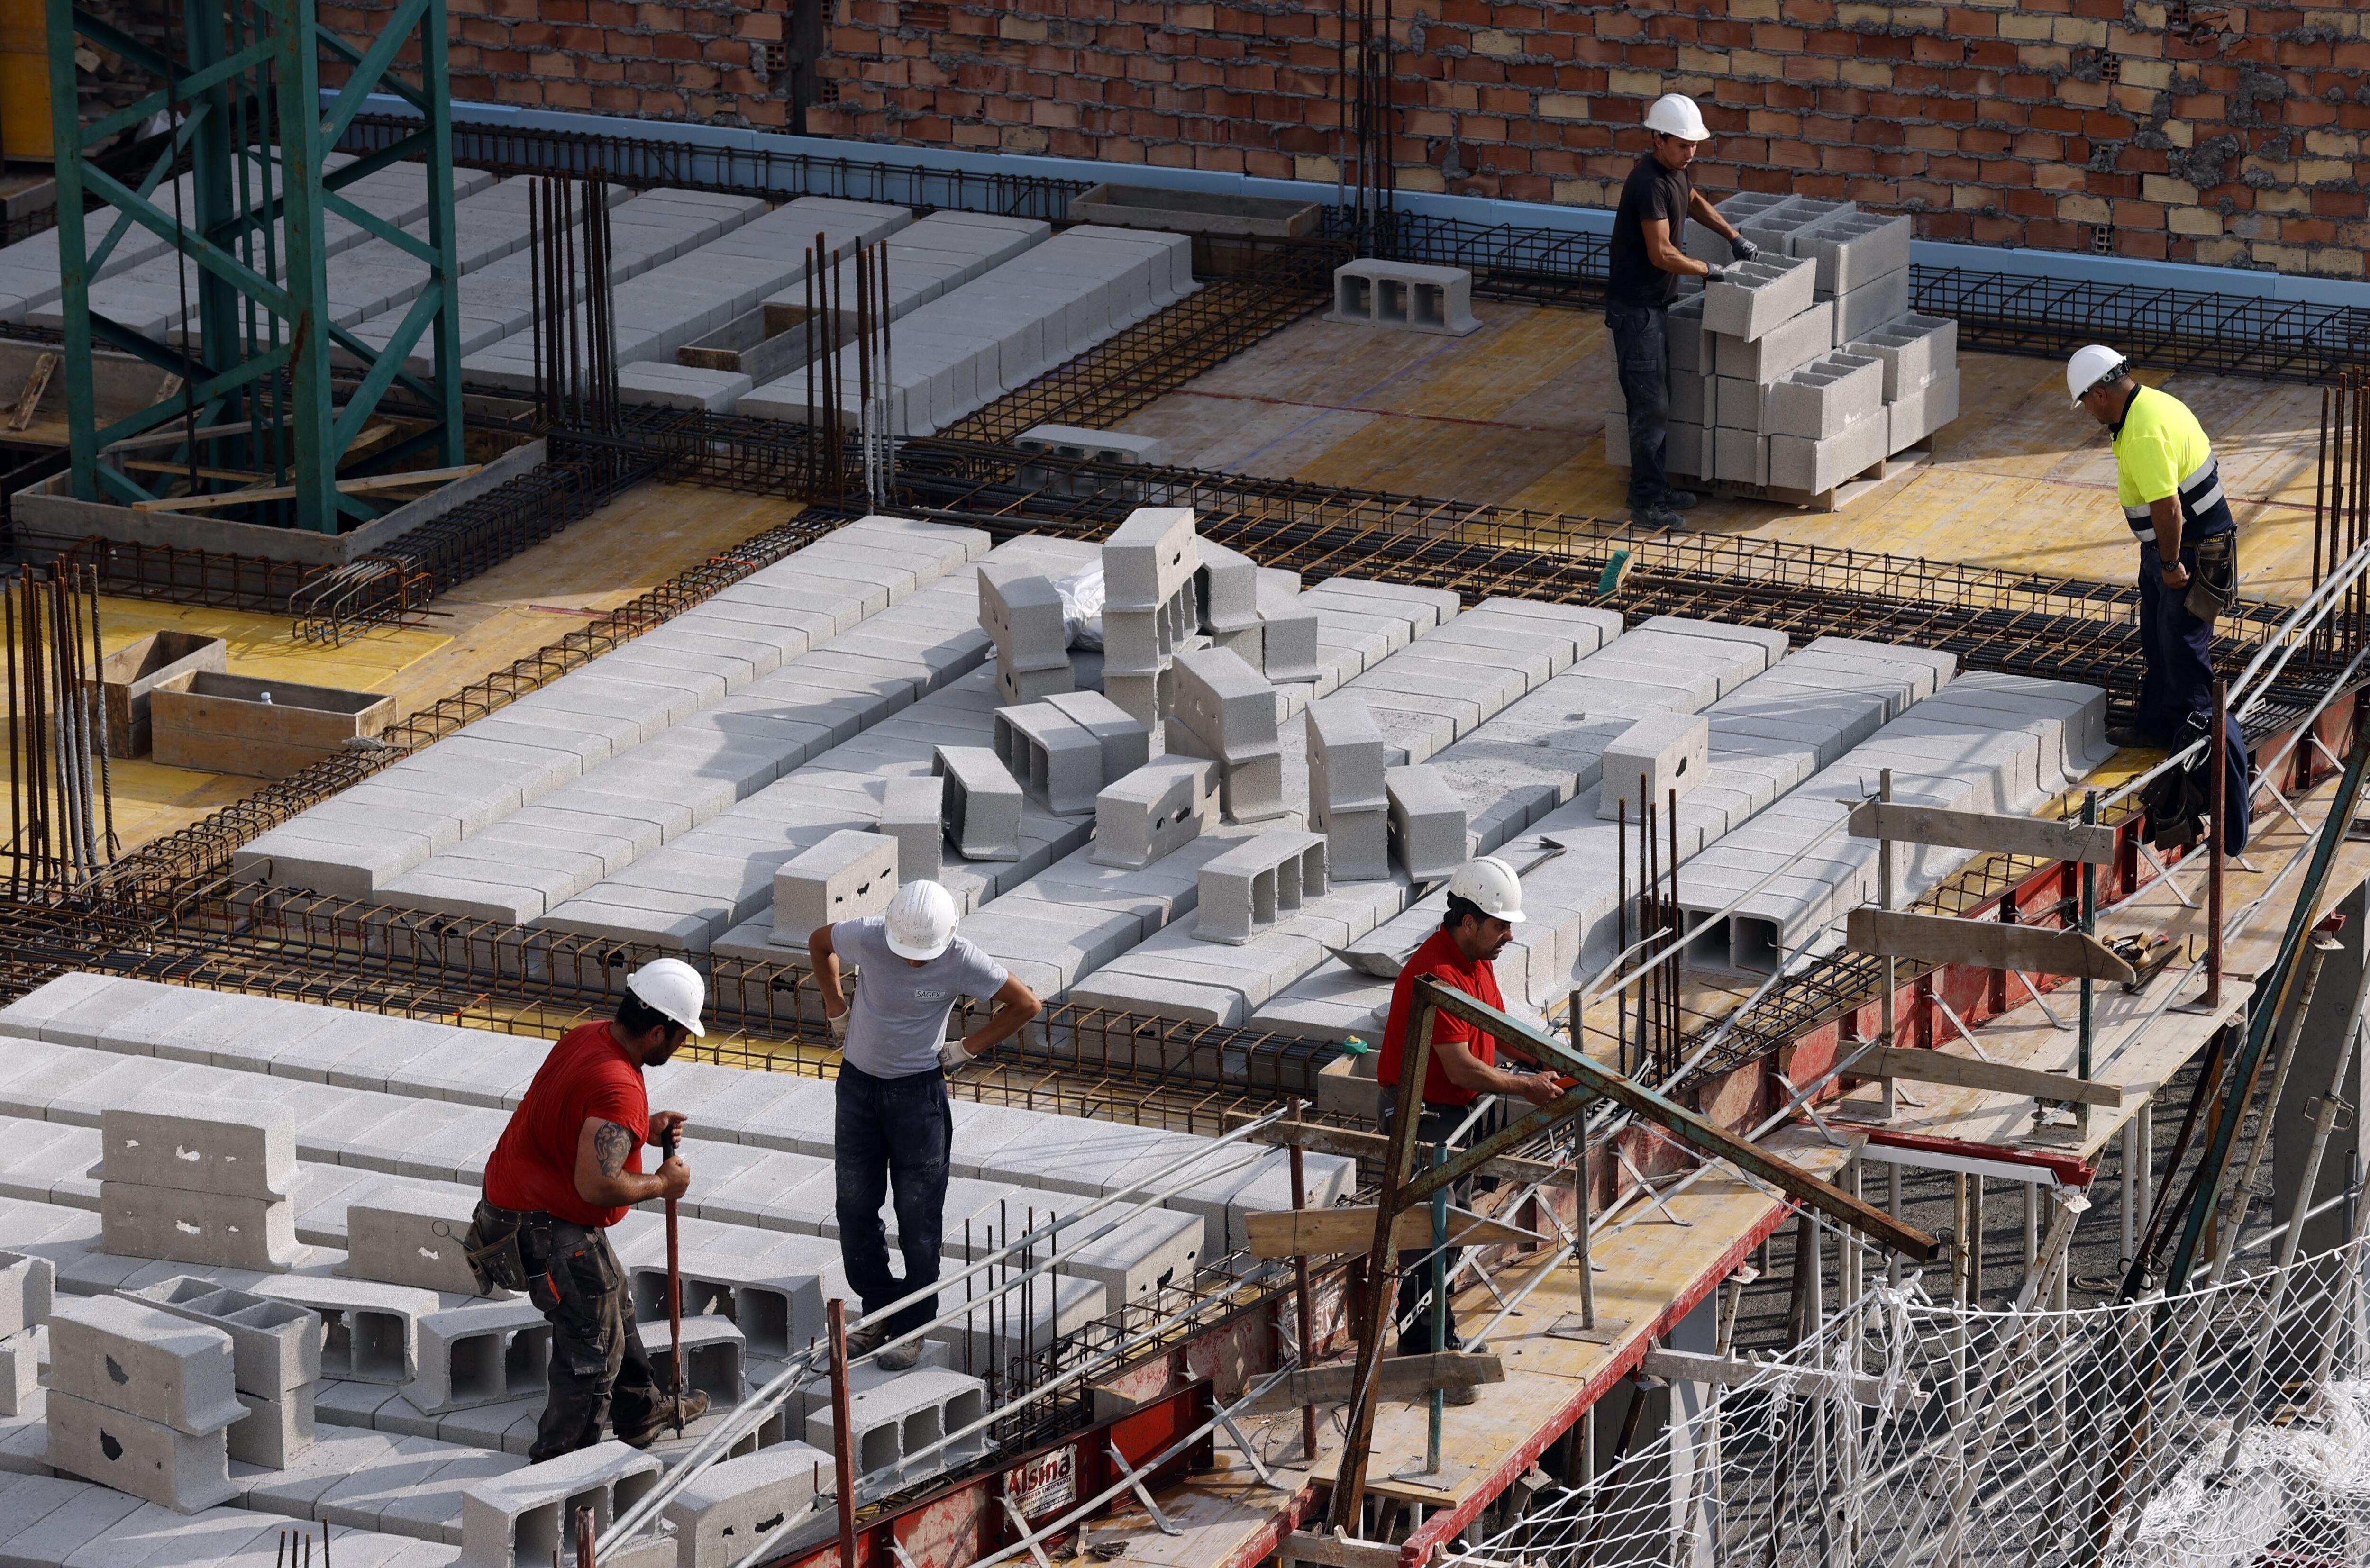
[48,1521]
[1848,247]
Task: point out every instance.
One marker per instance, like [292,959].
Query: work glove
[838,1025]
[1742,249]
[952,1056]
[1716,275]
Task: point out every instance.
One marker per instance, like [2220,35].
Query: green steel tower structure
[250,121]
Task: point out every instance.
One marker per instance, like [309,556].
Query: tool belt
[492,1244]
[2214,586]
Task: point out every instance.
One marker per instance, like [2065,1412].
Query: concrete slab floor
[1514,415]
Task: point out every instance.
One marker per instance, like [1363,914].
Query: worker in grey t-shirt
[893,1130]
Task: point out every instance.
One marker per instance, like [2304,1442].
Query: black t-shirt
[1651,191]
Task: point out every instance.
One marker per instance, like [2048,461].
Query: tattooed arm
[602,1179]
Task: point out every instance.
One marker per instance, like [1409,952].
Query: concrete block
[713,1355]
[1020,611]
[1228,589]
[913,812]
[128,1355]
[482,1353]
[1820,465]
[1756,296]
[1257,883]
[1127,745]
[412,1234]
[1786,347]
[1055,760]
[1406,296]
[1683,452]
[1853,249]
[1288,633]
[275,1345]
[1869,307]
[849,874]
[1824,396]
[27,1285]
[1739,457]
[1691,401]
[1745,207]
[1357,845]
[1914,349]
[1668,751]
[1427,822]
[370,1331]
[891,1423]
[1158,807]
[519,1520]
[731,1506]
[201,1228]
[275,1430]
[1252,789]
[21,1375]
[1345,759]
[982,802]
[1738,404]
[1684,343]
[1149,558]
[1228,707]
[203,1147]
[1079,445]
[1922,411]
[777,1310]
[145,1458]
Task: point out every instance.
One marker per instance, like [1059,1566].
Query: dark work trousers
[892,1135]
[1415,1264]
[2178,649]
[598,1370]
[1640,343]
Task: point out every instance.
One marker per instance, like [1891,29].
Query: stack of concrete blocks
[1227,711]
[1288,631]
[848,876]
[1021,614]
[1760,322]
[414,1234]
[275,1361]
[1347,801]
[982,802]
[1920,354]
[727,1509]
[896,1427]
[913,812]
[1151,565]
[1428,825]
[1827,422]
[715,1357]
[1661,756]
[527,1517]
[140,1400]
[202,1183]
[1251,886]
[27,1285]
[1228,589]
[1155,810]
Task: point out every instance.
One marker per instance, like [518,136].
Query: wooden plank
[283,492]
[36,385]
[1989,944]
[2034,836]
[1966,1073]
[1695,1366]
[1284,1232]
[1351,1143]
[1401,1377]
[1339,1551]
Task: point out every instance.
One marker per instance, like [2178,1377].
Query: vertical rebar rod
[2213,858]
[1672,970]
[1621,933]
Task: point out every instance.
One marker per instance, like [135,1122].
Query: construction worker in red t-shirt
[568,1167]
[1485,904]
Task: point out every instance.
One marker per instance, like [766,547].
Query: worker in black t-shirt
[1646,266]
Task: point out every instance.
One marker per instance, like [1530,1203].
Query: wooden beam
[1320,1233]
[173,435]
[1966,1073]
[287,492]
[1695,1366]
[1353,1144]
[1989,944]
[1338,1551]
[1401,1377]
[2034,836]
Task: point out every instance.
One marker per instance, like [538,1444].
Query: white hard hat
[1675,114]
[1489,884]
[671,987]
[921,921]
[2089,366]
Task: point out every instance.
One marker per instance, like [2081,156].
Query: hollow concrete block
[370,1330]
[167,1223]
[517,1520]
[1288,646]
[1127,745]
[1149,558]
[1345,757]
[1921,411]
[1020,611]
[1757,296]
[1406,296]
[275,1430]
[1228,589]
[1155,809]
[1427,821]
[731,1506]
[1913,348]
[21,1375]
[776,1310]
[1784,348]
[1667,750]
[714,1355]
[1869,307]
[145,1459]
[1257,883]
[413,1234]
[129,1357]
[1820,465]
[27,1285]
[913,812]
[892,1423]
[982,803]
[1016,685]
[1822,398]
[1227,708]
[848,875]
[483,1353]
[275,1345]
[1054,757]
[238,1151]
[1853,249]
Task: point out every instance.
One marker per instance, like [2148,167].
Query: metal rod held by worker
[674,1281]
[1302,1299]
[842,1451]
[2089,918]
[2214,822]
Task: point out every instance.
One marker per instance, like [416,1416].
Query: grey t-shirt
[899,1019]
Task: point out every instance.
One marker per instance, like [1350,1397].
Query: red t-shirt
[1477,979]
[588,1074]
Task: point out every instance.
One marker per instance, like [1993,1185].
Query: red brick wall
[2230,135]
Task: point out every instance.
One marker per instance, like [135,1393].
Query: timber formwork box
[131,675]
[258,727]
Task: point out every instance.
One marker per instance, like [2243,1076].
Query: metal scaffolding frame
[252,348]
